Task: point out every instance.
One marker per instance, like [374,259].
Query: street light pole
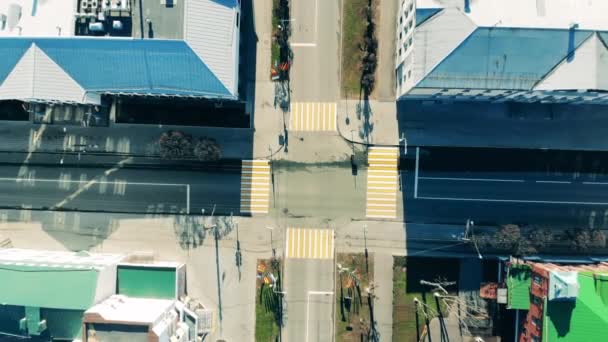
[469,231]
[403,141]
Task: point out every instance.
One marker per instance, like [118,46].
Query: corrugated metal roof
[11,51]
[146,66]
[125,65]
[210,29]
[580,71]
[422,14]
[583,320]
[518,285]
[504,58]
[37,77]
[435,41]
[227,3]
[48,287]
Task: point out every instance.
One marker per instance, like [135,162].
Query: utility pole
[365,245]
[217,263]
[238,256]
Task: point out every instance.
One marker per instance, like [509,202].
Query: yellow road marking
[313,116]
[301,243]
[255,186]
[382,182]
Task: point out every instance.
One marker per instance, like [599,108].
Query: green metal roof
[147,282]
[48,287]
[518,285]
[585,319]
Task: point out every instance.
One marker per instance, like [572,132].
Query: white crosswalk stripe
[313,116]
[302,243]
[382,182]
[255,186]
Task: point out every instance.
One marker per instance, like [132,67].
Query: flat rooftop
[52,18]
[587,14]
[37,18]
[122,309]
[157,20]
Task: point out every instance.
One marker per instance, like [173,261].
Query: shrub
[207,149]
[175,145]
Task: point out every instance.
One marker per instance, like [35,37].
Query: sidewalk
[123,139]
[386,31]
[371,123]
[178,239]
[383,302]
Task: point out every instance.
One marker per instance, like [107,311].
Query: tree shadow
[191,231]
[248,55]
[368,78]
[75,231]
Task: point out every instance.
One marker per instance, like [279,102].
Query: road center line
[553,182]
[85,181]
[509,201]
[595,183]
[475,179]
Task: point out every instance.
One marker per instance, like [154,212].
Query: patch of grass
[407,273]
[275,50]
[353,32]
[265,327]
[349,326]
[267,305]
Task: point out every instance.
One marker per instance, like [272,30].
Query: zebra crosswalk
[313,116]
[255,186]
[382,182]
[302,243]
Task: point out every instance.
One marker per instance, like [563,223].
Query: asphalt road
[119,190]
[504,125]
[314,42]
[310,297]
[330,192]
[498,186]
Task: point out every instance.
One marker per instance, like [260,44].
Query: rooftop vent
[14,16]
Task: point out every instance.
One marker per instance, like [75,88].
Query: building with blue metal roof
[497,50]
[170,49]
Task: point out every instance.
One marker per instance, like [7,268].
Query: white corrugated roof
[582,71]
[40,258]
[37,77]
[39,18]
[210,30]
